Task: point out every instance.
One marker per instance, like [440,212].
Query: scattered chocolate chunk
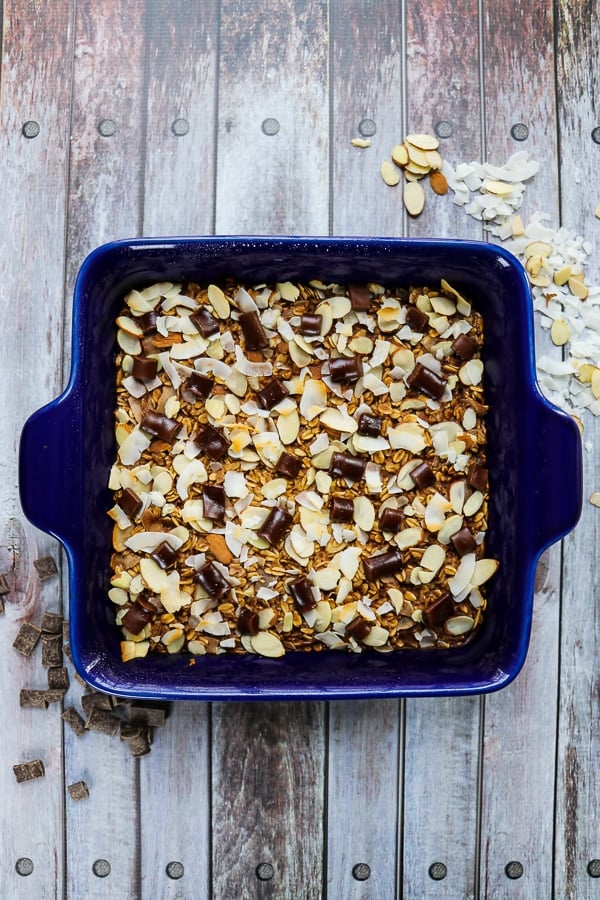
[213,502]
[477,477]
[302,593]
[391,519]
[147,322]
[55,695]
[95,700]
[247,621]
[144,368]
[140,613]
[425,380]
[440,610]
[137,738]
[200,385]
[205,322]
[33,699]
[272,393]
[275,526]
[27,638]
[310,323]
[102,721]
[52,623]
[4,588]
[422,475]
[74,720]
[52,650]
[463,541]
[58,678]
[160,426]
[151,716]
[345,371]
[465,347]
[130,503]
[288,465]
[341,509]
[253,331]
[370,426]
[78,791]
[1,605]
[346,466]
[382,564]
[358,628]
[360,296]
[27,771]
[213,442]
[416,319]
[164,555]
[45,567]
[214,583]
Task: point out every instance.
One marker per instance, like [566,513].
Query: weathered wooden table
[135,117]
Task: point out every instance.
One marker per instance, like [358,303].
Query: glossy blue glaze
[534,450]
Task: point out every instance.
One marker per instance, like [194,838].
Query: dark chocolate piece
[341,509]
[78,791]
[214,583]
[58,678]
[200,385]
[370,426]
[440,610]
[360,296]
[151,716]
[382,564]
[137,738]
[4,588]
[164,555]
[95,700]
[346,466]
[144,368]
[52,651]
[253,331]
[247,621]
[272,393]
[288,465]
[45,567]
[213,442]
[139,614]
[310,323]
[213,501]
[422,475]
[130,503]
[147,322]
[55,695]
[391,519]
[275,525]
[74,720]
[358,628]
[160,426]
[425,380]
[302,593]
[345,370]
[102,721]
[27,771]
[477,477]
[463,541]
[27,638]
[52,623]
[205,322]
[465,347]
[416,319]
[33,699]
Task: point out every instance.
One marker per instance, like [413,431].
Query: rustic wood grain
[34,86]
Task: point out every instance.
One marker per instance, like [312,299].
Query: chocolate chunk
[1,605]
[144,368]
[302,592]
[341,509]
[425,380]
[213,442]
[465,347]
[247,621]
[130,503]
[422,475]
[95,700]
[253,331]
[345,371]
[52,623]
[74,720]
[391,519]
[52,652]
[102,721]
[147,322]
[382,564]
[27,771]
[463,541]
[370,426]
[205,322]
[58,678]
[440,610]
[137,738]
[27,638]
[160,426]
[45,567]
[310,323]
[275,525]
[477,477]
[360,296]
[214,583]
[4,588]
[213,502]
[139,614]
[358,628]
[33,699]
[164,555]
[272,393]
[288,465]
[55,695]
[416,320]
[346,466]
[78,791]
[200,385]
[151,716]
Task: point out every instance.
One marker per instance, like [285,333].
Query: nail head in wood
[513,869]
[361,871]
[101,868]
[519,131]
[367,128]
[24,866]
[264,871]
[270,127]
[438,871]
[444,129]
[107,127]
[175,870]
[180,127]
[596,135]
[593,868]
[30,129]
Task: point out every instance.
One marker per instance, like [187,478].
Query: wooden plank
[578,71]
[32,194]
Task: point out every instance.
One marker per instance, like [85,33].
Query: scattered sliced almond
[413,197]
[400,155]
[560,332]
[423,141]
[267,644]
[363,143]
[389,173]
[219,549]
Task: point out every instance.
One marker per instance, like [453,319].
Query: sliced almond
[364,513]
[337,419]
[377,637]
[499,188]
[562,275]
[267,644]
[128,343]
[578,288]
[288,427]
[423,141]
[473,504]
[413,197]
[595,384]
[218,301]
[484,569]
[458,625]
[400,155]
[560,332]
[538,248]
[438,182]
[389,172]
[433,558]
[219,549]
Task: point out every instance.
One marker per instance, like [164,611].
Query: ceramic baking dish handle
[558,475]
[48,467]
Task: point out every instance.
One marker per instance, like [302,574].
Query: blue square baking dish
[534,457]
